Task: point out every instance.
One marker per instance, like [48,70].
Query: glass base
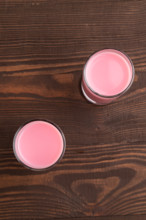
[90,100]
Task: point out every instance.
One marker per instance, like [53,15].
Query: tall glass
[107,75]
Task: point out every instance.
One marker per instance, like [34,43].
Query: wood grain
[120,217]
[43,47]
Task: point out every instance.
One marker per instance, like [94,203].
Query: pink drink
[107,75]
[39,144]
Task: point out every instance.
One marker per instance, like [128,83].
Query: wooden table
[43,47]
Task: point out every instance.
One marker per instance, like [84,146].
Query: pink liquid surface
[38,144]
[108,72]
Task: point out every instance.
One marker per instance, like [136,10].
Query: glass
[33,141]
[107,75]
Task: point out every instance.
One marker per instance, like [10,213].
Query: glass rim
[49,122]
[118,94]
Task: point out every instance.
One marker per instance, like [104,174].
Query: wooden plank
[125,217]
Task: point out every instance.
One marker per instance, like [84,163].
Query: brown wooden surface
[120,217]
[43,47]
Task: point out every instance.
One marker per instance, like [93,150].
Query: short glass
[39,144]
[107,75]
